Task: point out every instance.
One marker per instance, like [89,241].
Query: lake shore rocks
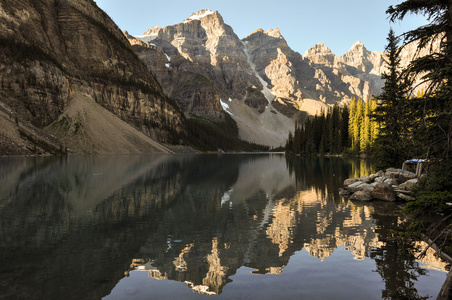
[390,185]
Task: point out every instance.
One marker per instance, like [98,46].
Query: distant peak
[199,15]
[276,33]
[318,49]
[321,47]
[357,44]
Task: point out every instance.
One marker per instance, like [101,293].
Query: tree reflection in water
[395,260]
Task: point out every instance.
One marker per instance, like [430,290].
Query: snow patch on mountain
[199,15]
[268,93]
[225,107]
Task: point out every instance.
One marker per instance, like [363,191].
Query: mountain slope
[52,51]
[86,127]
[267,87]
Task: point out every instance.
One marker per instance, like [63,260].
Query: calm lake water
[195,226]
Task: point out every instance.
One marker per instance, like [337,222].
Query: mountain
[69,78]
[71,81]
[259,81]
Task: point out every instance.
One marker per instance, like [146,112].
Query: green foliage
[392,112]
[362,129]
[325,133]
[206,135]
[430,112]
[437,180]
[429,203]
[433,110]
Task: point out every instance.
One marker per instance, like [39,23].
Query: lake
[256,226]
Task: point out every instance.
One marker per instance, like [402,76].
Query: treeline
[206,135]
[338,130]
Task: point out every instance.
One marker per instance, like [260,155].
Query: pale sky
[337,24]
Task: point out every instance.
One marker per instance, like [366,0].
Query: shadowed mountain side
[52,50]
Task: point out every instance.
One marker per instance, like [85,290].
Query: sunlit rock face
[201,63]
[53,50]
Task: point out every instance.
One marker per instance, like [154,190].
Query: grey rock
[409,184]
[366,179]
[384,191]
[379,179]
[344,192]
[392,181]
[358,186]
[350,181]
[361,196]
[380,173]
[405,197]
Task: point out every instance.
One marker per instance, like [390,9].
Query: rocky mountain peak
[201,14]
[319,48]
[276,33]
[358,47]
[321,54]
[153,30]
[360,58]
[358,44]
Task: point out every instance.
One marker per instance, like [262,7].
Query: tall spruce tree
[391,113]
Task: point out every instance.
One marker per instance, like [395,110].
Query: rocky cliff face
[260,81]
[198,62]
[53,51]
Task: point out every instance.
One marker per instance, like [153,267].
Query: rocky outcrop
[53,50]
[359,70]
[392,185]
[201,63]
[198,62]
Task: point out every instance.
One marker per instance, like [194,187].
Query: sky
[303,23]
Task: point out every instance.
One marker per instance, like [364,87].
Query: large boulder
[361,196]
[408,185]
[392,181]
[349,181]
[384,191]
[359,186]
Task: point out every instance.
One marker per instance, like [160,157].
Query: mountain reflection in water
[86,227]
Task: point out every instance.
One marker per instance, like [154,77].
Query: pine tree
[390,112]
[357,125]
[352,129]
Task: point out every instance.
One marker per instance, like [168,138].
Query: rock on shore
[392,185]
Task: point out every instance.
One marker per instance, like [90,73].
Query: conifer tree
[390,112]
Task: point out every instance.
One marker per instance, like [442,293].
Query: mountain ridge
[258,73]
